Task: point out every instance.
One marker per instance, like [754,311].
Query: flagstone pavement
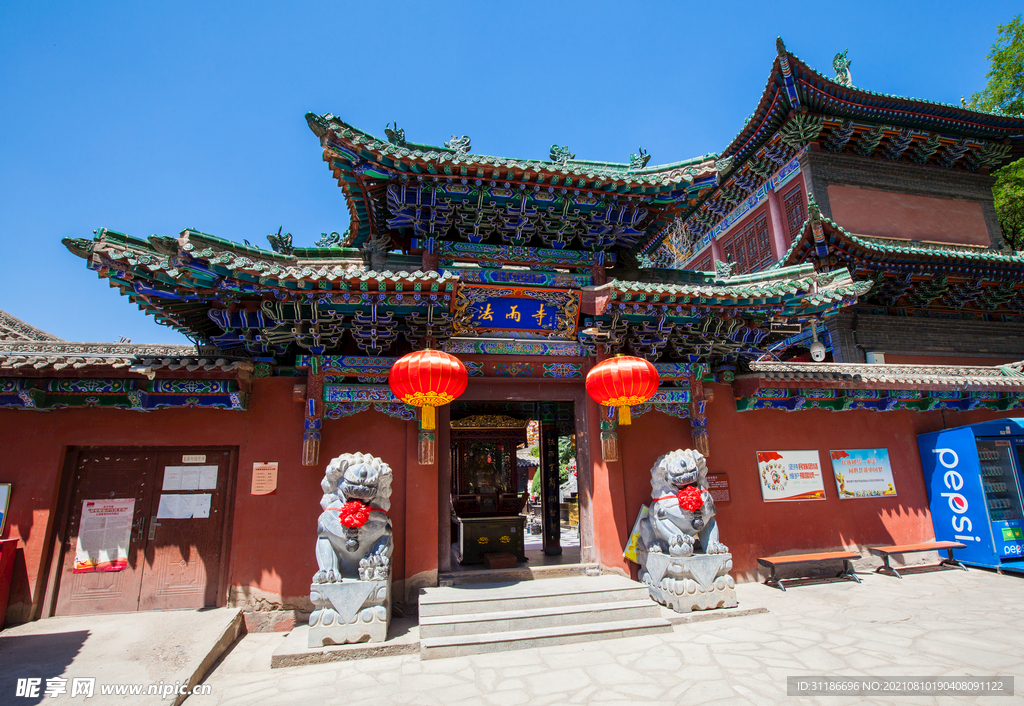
[943,623]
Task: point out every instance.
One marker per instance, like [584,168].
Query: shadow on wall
[36,657]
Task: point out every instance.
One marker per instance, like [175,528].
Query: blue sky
[153,117]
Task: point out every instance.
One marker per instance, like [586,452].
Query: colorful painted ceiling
[912,277]
[800,106]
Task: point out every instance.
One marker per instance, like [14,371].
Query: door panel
[183,556]
[103,475]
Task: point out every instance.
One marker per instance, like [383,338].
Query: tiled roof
[14,329]
[60,355]
[888,376]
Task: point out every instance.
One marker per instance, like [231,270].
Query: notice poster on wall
[5,498]
[790,475]
[264,478]
[862,473]
[103,535]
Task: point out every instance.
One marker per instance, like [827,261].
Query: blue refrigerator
[975,480]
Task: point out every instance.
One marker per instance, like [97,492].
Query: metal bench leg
[774,580]
[886,567]
[848,571]
[950,561]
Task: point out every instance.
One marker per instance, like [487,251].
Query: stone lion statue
[681,558]
[351,589]
[671,527]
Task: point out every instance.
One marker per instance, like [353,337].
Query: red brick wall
[910,216]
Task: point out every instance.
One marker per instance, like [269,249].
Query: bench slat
[798,558]
[910,548]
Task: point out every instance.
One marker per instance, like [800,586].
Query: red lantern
[428,379]
[622,381]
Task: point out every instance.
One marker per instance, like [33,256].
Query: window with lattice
[750,247]
[796,212]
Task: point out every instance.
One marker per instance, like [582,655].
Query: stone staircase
[477,618]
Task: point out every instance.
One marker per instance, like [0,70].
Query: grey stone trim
[919,336]
[844,347]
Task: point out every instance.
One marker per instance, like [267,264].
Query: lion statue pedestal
[681,560]
[351,592]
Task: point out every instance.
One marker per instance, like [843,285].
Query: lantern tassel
[427,418]
[624,418]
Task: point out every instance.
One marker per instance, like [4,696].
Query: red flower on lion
[354,514]
[690,499]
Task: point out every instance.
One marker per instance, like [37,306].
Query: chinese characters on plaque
[511,313]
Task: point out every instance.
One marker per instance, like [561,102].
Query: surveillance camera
[817,351]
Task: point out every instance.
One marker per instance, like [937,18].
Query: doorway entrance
[536,477]
[145,529]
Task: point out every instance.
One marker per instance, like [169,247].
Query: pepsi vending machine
[975,488]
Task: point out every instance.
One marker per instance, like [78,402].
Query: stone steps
[478,618]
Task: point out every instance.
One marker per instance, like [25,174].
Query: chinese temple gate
[841,225]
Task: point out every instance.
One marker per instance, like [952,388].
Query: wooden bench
[773,562]
[885,552]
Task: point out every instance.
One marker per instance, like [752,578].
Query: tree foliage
[566,451]
[1004,94]
[1009,196]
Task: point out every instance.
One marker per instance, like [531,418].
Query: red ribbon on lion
[690,498]
[354,514]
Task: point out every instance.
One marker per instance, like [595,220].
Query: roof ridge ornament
[396,135]
[333,240]
[281,243]
[460,145]
[842,66]
[639,161]
[561,155]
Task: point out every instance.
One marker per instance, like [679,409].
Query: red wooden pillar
[422,510]
[777,226]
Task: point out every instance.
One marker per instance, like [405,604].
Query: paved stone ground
[944,623]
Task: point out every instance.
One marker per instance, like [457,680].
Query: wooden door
[100,475]
[173,562]
[183,556]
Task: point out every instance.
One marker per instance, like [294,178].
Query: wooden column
[314,414]
[777,226]
[698,413]
[552,538]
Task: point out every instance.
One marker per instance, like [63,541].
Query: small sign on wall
[193,458]
[718,486]
[5,497]
[862,473]
[264,478]
[790,475]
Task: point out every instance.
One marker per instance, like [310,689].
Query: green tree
[1004,94]
[566,451]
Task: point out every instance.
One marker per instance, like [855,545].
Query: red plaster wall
[749,526]
[273,537]
[885,213]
